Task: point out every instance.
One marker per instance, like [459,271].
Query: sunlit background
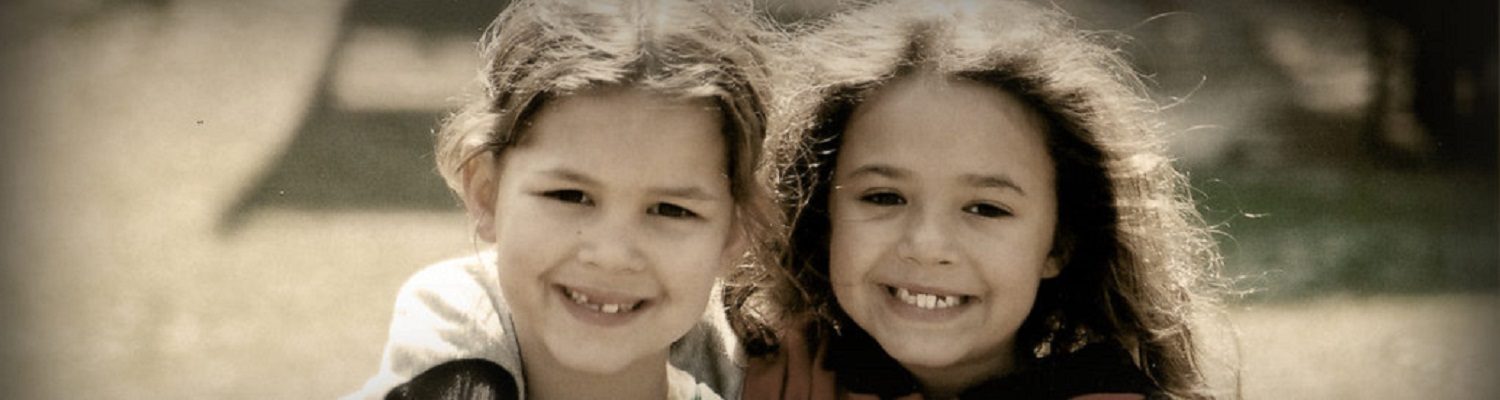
[219,199]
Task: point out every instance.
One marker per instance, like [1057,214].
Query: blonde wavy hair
[1140,261]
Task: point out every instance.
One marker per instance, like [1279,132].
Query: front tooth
[928,301]
[610,308]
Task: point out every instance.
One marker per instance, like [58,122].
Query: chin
[925,356]
[593,358]
[921,348]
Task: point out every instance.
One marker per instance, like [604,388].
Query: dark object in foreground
[459,380]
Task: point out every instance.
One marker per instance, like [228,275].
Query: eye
[884,199]
[670,210]
[987,210]
[569,196]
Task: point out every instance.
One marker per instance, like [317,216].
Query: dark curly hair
[1140,261]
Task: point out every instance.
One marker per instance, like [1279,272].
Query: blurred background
[219,199]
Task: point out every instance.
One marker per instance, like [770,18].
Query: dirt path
[1433,347]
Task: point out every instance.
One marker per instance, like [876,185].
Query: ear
[480,181]
[1053,266]
[1062,252]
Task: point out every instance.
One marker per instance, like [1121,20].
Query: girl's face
[943,213]
[612,219]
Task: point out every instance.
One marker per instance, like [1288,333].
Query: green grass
[1297,233]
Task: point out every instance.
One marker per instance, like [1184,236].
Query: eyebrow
[880,170]
[570,175]
[993,181]
[976,180]
[684,192]
[690,192]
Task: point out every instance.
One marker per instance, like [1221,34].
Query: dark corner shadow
[343,159]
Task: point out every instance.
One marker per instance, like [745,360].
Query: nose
[928,238]
[611,244]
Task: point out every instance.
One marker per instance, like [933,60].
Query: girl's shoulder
[446,311]
[710,352]
[683,386]
[453,309]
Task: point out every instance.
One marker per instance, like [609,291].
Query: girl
[612,164]
[983,211]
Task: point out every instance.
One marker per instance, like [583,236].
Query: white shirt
[454,310]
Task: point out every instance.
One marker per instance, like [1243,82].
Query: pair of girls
[939,199]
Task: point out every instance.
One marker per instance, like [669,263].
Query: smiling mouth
[927,301]
[602,307]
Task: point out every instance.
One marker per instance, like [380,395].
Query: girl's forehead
[625,110]
[622,138]
[946,103]
[946,126]
[613,107]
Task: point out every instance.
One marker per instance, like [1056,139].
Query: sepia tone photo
[895,199]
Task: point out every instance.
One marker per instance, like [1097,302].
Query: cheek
[1038,250]
[691,255]
[693,258]
[528,241]
[693,286]
[523,251]
[689,282]
[518,229]
[700,242]
[1016,281]
[854,248]
[842,251]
